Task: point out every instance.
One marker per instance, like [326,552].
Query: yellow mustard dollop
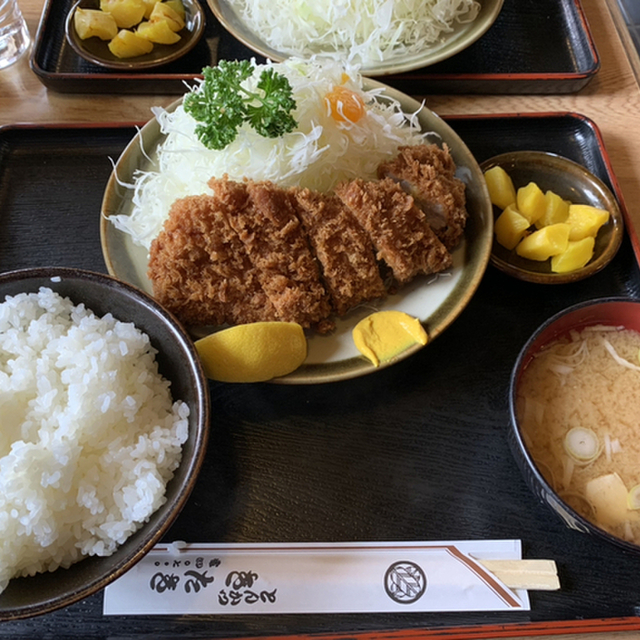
[386,334]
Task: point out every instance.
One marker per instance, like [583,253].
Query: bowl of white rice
[105,415]
[574,396]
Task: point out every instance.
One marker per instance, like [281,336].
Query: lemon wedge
[253,352]
[386,334]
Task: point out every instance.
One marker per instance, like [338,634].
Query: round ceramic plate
[573,182]
[436,301]
[97,51]
[460,37]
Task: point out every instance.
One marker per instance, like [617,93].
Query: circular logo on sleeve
[405,582]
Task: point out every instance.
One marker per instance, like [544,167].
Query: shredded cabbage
[368,31]
[318,154]
[621,361]
[562,358]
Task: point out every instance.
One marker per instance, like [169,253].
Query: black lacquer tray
[535,46]
[417,451]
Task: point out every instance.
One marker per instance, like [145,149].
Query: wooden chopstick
[539,575]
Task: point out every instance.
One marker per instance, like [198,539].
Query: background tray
[535,46]
[414,452]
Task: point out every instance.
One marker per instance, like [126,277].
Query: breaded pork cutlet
[397,228]
[427,173]
[263,216]
[200,270]
[343,248]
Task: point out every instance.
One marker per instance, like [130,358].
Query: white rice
[89,434]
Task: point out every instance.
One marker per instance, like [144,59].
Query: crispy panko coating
[200,270]
[343,248]
[255,251]
[397,227]
[263,216]
[427,173]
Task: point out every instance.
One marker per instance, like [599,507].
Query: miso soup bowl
[614,311]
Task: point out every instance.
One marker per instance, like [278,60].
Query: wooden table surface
[611,100]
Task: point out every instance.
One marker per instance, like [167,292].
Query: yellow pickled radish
[556,210]
[126,13]
[164,11]
[148,6]
[177,6]
[585,220]
[386,334]
[254,352]
[531,202]
[544,243]
[500,186]
[127,44]
[510,227]
[91,22]
[158,31]
[575,256]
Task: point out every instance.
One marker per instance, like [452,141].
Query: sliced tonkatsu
[427,173]
[263,216]
[200,270]
[397,227]
[256,251]
[347,259]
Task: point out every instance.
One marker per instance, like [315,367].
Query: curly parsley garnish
[222,105]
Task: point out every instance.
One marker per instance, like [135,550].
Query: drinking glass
[14,36]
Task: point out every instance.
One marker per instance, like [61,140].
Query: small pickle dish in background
[161,51]
[570,182]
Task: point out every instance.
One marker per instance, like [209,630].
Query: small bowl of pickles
[133,35]
[554,221]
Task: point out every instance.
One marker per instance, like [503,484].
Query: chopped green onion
[633,497]
[582,445]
